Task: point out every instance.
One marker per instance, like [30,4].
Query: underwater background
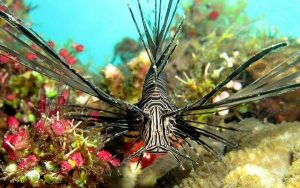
[99,25]
[42,146]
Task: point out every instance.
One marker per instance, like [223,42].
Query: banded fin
[155,31]
[282,78]
[47,61]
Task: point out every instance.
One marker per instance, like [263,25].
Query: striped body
[155,102]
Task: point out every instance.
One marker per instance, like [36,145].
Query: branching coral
[54,151]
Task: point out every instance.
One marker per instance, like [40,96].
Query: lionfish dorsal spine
[156,34]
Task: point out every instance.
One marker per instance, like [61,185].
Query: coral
[54,155]
[138,67]
[267,157]
[212,44]
[114,80]
[126,50]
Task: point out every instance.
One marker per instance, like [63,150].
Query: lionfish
[160,124]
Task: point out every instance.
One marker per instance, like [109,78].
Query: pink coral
[71,60]
[51,44]
[115,162]
[79,48]
[64,53]
[10,97]
[60,127]
[65,167]
[40,127]
[17,141]
[28,162]
[213,15]
[4,59]
[77,158]
[12,122]
[31,56]
[104,155]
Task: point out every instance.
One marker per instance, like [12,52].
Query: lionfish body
[160,124]
[155,103]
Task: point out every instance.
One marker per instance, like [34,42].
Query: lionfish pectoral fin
[47,61]
[177,159]
[215,137]
[139,152]
[208,148]
[139,160]
[239,70]
[174,152]
[201,103]
[194,134]
[281,79]
[115,136]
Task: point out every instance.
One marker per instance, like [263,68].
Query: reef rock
[268,156]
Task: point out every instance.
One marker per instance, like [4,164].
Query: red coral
[147,159]
[65,167]
[51,44]
[17,141]
[115,162]
[94,114]
[71,60]
[42,104]
[213,15]
[104,155]
[10,97]
[66,94]
[64,53]
[31,56]
[4,59]
[3,8]
[11,155]
[7,142]
[79,48]
[61,100]
[77,157]
[91,150]
[60,127]
[9,148]
[21,139]
[12,122]
[28,162]
[40,127]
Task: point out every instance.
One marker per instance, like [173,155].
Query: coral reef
[268,156]
[40,145]
[217,37]
[54,150]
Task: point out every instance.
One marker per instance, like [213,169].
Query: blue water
[283,15]
[100,24]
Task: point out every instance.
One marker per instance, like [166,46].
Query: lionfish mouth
[158,149]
